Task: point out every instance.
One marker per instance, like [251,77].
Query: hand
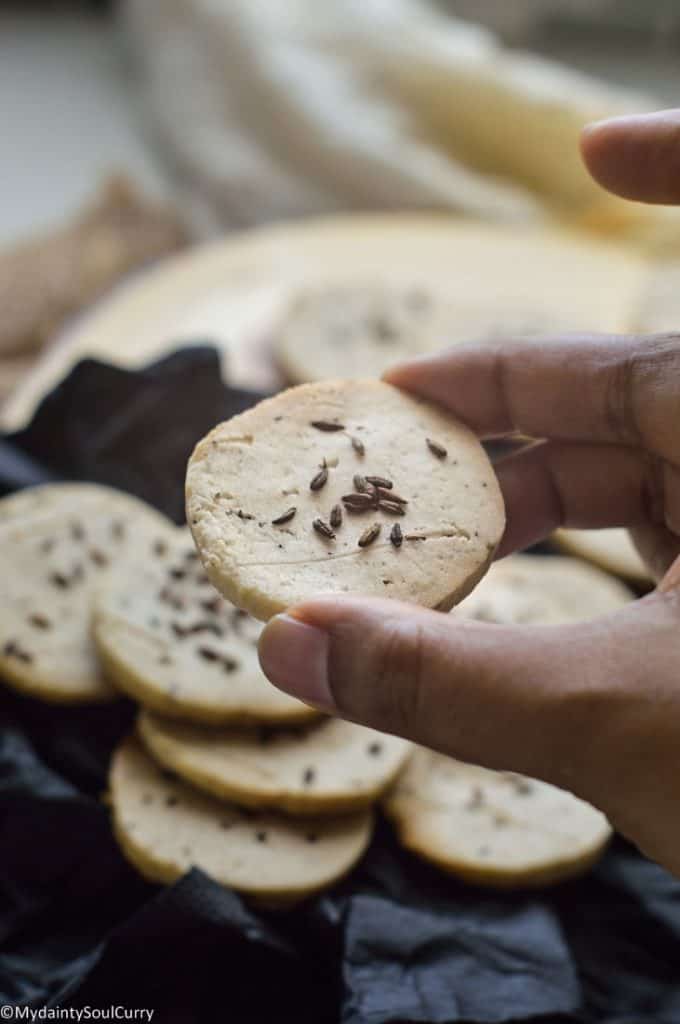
[593,707]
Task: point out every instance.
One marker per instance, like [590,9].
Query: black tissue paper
[395,942]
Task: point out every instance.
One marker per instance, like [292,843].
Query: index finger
[618,389]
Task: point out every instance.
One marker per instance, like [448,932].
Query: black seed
[117,529]
[323,528]
[436,448]
[392,508]
[212,605]
[312,837]
[358,502]
[327,426]
[13,650]
[77,531]
[165,659]
[358,446]
[160,548]
[261,837]
[244,515]
[476,799]
[380,481]
[177,573]
[308,776]
[369,535]
[374,749]
[382,329]
[336,516]
[386,495]
[208,654]
[396,535]
[39,621]
[57,579]
[191,556]
[47,545]
[171,801]
[318,481]
[230,664]
[285,517]
[98,557]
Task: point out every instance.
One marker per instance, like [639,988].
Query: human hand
[593,707]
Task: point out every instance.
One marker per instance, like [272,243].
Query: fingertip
[636,156]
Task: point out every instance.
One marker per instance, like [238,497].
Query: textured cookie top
[359,330]
[493,827]
[166,827]
[533,589]
[58,543]
[172,643]
[329,766]
[343,486]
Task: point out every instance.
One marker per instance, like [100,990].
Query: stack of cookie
[105,595]
[226,773]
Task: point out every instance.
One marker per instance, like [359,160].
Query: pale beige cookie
[283,500]
[493,828]
[169,641]
[612,550]
[57,543]
[330,766]
[359,330]
[525,589]
[165,827]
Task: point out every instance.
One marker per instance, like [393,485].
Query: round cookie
[612,550]
[545,590]
[329,767]
[493,828]
[165,827]
[359,330]
[283,500]
[356,330]
[57,543]
[169,641]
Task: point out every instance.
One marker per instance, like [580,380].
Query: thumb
[517,698]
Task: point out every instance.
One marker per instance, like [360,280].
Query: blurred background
[132,129]
[72,96]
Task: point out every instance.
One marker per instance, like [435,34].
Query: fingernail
[294,656]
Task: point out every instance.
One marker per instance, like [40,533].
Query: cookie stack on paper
[103,596]
[227,773]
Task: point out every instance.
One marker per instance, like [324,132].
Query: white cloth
[280,108]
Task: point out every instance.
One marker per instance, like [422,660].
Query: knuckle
[400,677]
[620,407]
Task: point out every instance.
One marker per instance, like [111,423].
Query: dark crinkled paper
[396,942]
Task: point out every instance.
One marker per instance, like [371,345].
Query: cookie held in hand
[343,487]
